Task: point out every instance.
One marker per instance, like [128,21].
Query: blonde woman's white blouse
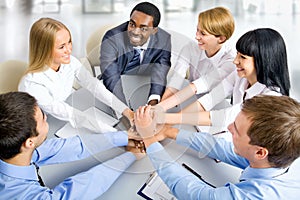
[51,89]
[202,71]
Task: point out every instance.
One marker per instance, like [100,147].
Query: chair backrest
[93,46]
[11,71]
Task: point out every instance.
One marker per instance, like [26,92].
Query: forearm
[224,117]
[168,93]
[165,132]
[178,97]
[96,143]
[196,118]
[94,182]
[77,119]
[182,183]
[207,144]
[58,150]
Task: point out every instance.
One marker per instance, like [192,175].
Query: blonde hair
[41,43]
[217,21]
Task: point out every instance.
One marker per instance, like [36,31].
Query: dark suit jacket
[116,51]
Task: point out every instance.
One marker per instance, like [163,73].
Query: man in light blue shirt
[265,144]
[23,146]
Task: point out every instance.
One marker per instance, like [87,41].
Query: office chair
[92,58]
[11,71]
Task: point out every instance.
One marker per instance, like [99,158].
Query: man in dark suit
[140,47]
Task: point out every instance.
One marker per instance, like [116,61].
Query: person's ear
[222,39]
[29,143]
[262,153]
[154,31]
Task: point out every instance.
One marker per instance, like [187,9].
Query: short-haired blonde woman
[51,74]
[209,60]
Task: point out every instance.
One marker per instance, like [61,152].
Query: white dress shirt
[235,86]
[203,71]
[51,89]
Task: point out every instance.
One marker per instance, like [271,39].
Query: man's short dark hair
[149,9]
[17,122]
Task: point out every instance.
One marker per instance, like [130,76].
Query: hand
[129,114]
[159,114]
[137,148]
[153,102]
[144,123]
[136,152]
[166,131]
[133,134]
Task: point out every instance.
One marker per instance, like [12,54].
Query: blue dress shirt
[255,183]
[21,182]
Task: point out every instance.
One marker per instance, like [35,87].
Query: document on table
[155,189]
[68,131]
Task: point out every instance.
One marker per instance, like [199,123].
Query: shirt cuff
[128,157]
[154,96]
[201,86]
[206,102]
[155,147]
[184,137]
[119,138]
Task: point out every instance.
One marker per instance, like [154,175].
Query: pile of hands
[145,126]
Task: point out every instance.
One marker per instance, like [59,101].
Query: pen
[196,174]
[151,178]
[218,133]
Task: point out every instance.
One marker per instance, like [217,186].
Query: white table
[130,181]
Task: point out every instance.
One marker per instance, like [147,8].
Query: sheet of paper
[69,131]
[156,189]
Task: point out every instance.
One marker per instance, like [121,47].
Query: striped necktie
[135,60]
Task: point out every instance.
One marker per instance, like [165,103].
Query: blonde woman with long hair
[51,74]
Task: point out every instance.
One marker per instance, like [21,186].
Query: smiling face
[62,49]
[245,67]
[208,42]
[140,27]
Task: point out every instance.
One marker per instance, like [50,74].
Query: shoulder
[274,91]
[162,33]
[31,79]
[228,52]
[161,39]
[116,30]
[74,61]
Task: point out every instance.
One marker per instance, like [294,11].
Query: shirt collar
[53,75]
[214,59]
[262,173]
[255,89]
[217,57]
[21,172]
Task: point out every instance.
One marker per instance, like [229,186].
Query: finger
[147,110]
[137,113]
